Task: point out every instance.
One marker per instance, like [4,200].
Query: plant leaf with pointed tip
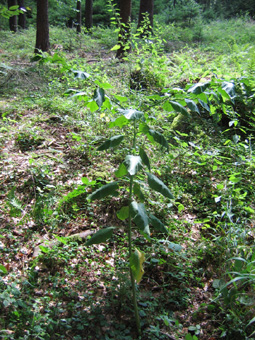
[138,192]
[120,122]
[192,106]
[92,105]
[80,74]
[136,260]
[199,88]
[122,171]
[99,96]
[140,217]
[227,90]
[179,108]
[105,190]
[157,224]
[123,213]
[133,164]
[159,138]
[156,184]
[145,158]
[132,114]
[104,86]
[3,270]
[204,105]
[100,236]
[111,143]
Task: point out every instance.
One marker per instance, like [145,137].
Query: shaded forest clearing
[191,98]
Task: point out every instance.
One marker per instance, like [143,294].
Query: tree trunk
[42,27]
[78,18]
[22,16]
[89,14]
[124,32]
[145,19]
[13,19]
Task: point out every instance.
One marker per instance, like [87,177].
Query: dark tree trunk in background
[22,16]
[88,14]
[13,19]
[124,33]
[78,18]
[145,19]
[42,27]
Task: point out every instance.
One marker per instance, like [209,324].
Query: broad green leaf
[44,249]
[111,143]
[123,213]
[136,264]
[156,184]
[105,190]
[99,96]
[145,158]
[122,171]
[157,224]
[13,8]
[198,88]
[132,114]
[140,217]
[167,106]
[144,128]
[115,48]
[80,74]
[100,236]
[92,105]
[204,105]
[159,138]
[120,122]
[192,106]
[133,164]
[229,88]
[104,86]
[179,108]
[3,270]
[120,98]
[138,192]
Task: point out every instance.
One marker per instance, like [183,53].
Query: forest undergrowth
[172,125]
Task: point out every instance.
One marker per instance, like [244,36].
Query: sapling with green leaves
[136,161]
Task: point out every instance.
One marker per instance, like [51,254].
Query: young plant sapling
[136,213]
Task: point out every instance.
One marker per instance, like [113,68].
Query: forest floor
[198,280]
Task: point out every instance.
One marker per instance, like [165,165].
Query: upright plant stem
[137,318]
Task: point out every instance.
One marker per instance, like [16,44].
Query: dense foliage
[152,156]
[63,12]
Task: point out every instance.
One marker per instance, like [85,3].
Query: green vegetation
[144,166]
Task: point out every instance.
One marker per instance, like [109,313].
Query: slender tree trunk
[13,19]
[145,19]
[22,16]
[89,14]
[42,27]
[124,32]
[78,18]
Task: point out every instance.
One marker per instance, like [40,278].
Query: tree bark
[13,19]
[78,18]
[42,27]
[22,16]
[124,32]
[89,14]
[145,19]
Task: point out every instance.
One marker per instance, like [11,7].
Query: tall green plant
[132,175]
